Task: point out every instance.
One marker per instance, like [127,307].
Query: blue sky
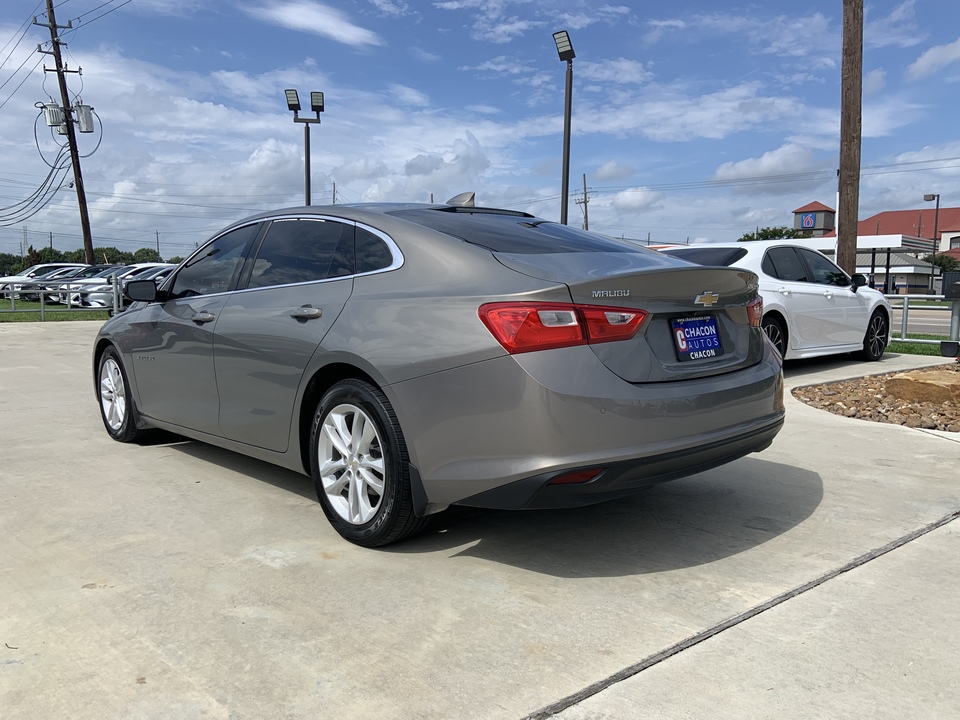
[691,120]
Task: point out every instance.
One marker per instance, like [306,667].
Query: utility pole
[585,201]
[68,120]
[334,193]
[158,244]
[851,89]
[51,239]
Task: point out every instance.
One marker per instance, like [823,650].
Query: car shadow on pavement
[279,477]
[675,525]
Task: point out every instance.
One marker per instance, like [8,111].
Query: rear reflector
[524,327]
[577,477]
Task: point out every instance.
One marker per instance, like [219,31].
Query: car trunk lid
[698,324]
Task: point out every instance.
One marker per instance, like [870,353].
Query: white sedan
[810,306]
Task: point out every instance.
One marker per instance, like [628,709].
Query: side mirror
[858,281]
[141,290]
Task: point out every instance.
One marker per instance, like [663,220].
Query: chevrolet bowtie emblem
[707,299]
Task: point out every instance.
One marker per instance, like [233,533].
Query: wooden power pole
[61,71]
[851,87]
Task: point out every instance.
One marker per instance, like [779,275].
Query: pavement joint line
[668,652]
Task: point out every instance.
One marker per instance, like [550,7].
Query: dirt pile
[928,398]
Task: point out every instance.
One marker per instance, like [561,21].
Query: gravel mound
[868,398]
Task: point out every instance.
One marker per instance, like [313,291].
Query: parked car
[810,306]
[48,284]
[101,294]
[410,357]
[100,285]
[69,291]
[8,282]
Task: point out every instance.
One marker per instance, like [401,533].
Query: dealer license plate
[696,338]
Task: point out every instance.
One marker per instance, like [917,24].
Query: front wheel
[116,402]
[360,466]
[876,337]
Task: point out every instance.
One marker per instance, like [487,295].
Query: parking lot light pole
[316,106]
[565,50]
[936,241]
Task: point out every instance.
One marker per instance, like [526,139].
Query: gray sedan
[411,357]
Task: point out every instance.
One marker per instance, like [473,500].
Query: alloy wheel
[113,396]
[351,461]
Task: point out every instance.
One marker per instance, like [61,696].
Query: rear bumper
[623,478]
[474,431]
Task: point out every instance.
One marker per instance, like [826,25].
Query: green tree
[10,264]
[176,260]
[946,263]
[778,232]
[144,255]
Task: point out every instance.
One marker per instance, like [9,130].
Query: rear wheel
[116,403]
[876,337]
[360,466]
[777,333]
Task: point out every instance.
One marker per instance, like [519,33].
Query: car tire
[876,337]
[116,403]
[360,466]
[774,329]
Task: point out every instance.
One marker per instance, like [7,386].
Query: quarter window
[296,251]
[214,269]
[372,252]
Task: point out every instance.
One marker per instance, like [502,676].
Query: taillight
[524,327]
[755,311]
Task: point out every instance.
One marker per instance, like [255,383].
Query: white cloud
[408,95]
[620,71]
[635,199]
[874,81]
[778,172]
[387,7]
[934,59]
[612,170]
[898,29]
[316,18]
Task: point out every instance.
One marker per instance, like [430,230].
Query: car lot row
[76,284]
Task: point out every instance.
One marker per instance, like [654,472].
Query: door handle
[203,317]
[783,291]
[828,295]
[306,313]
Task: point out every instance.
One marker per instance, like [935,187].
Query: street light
[316,106]
[936,241]
[565,50]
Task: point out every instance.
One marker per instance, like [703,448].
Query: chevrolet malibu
[412,357]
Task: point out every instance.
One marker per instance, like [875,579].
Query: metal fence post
[903,319]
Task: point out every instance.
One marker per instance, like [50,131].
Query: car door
[173,354]
[292,292]
[851,308]
[809,312]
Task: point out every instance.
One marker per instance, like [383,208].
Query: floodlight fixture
[316,102]
[293,100]
[564,46]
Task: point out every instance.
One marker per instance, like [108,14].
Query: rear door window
[824,271]
[297,251]
[785,264]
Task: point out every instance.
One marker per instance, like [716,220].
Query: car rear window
[724,257]
[514,233]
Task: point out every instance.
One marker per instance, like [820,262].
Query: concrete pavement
[178,580]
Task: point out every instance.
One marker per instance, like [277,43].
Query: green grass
[909,348]
[49,314]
